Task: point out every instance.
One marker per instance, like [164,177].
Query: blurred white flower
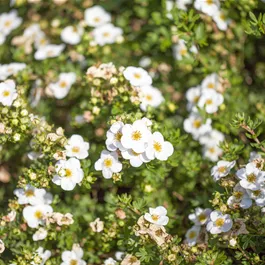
[77,147]
[96,16]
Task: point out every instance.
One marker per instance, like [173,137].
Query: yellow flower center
[133,259]
[219,222]
[211,150]
[73,262]
[157,146]
[118,136]
[136,135]
[197,124]
[209,2]
[256,193]
[210,85]
[63,84]
[134,153]
[96,19]
[106,34]
[155,217]
[29,193]
[202,217]
[209,102]
[148,97]
[192,234]
[68,173]
[183,52]
[222,169]
[108,162]
[7,24]
[251,178]
[6,93]
[238,195]
[75,149]
[196,99]
[222,16]
[38,214]
[137,76]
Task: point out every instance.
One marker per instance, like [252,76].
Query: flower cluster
[136,143]
[209,98]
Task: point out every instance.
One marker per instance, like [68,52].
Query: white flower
[200,216]
[157,216]
[2,246]
[43,254]
[158,147]
[136,159]
[210,100]
[62,87]
[212,137]
[96,16]
[180,50]
[8,92]
[150,96]
[192,235]
[9,21]
[106,34]
[73,257]
[69,173]
[49,51]
[212,152]
[222,169]
[135,136]
[193,95]
[7,70]
[220,20]
[181,4]
[77,147]
[40,234]
[195,125]
[258,196]
[211,82]
[119,255]
[108,163]
[250,177]
[137,76]
[209,7]
[110,261]
[34,214]
[114,135]
[240,197]
[219,223]
[33,196]
[72,34]
[253,156]
[145,61]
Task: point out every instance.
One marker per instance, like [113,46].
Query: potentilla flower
[110,261]
[157,216]
[69,173]
[135,136]
[150,96]
[211,82]
[33,196]
[73,257]
[49,51]
[210,100]
[239,198]
[192,235]
[9,21]
[251,177]
[219,223]
[7,70]
[2,246]
[211,138]
[193,95]
[181,50]
[106,34]
[209,7]
[195,125]
[136,159]
[114,135]
[43,254]
[222,169]
[119,255]
[158,148]
[258,196]
[96,16]
[97,226]
[40,234]
[77,147]
[34,215]
[8,92]
[137,76]
[200,216]
[108,163]
[62,87]
[220,20]
[72,34]
[212,152]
